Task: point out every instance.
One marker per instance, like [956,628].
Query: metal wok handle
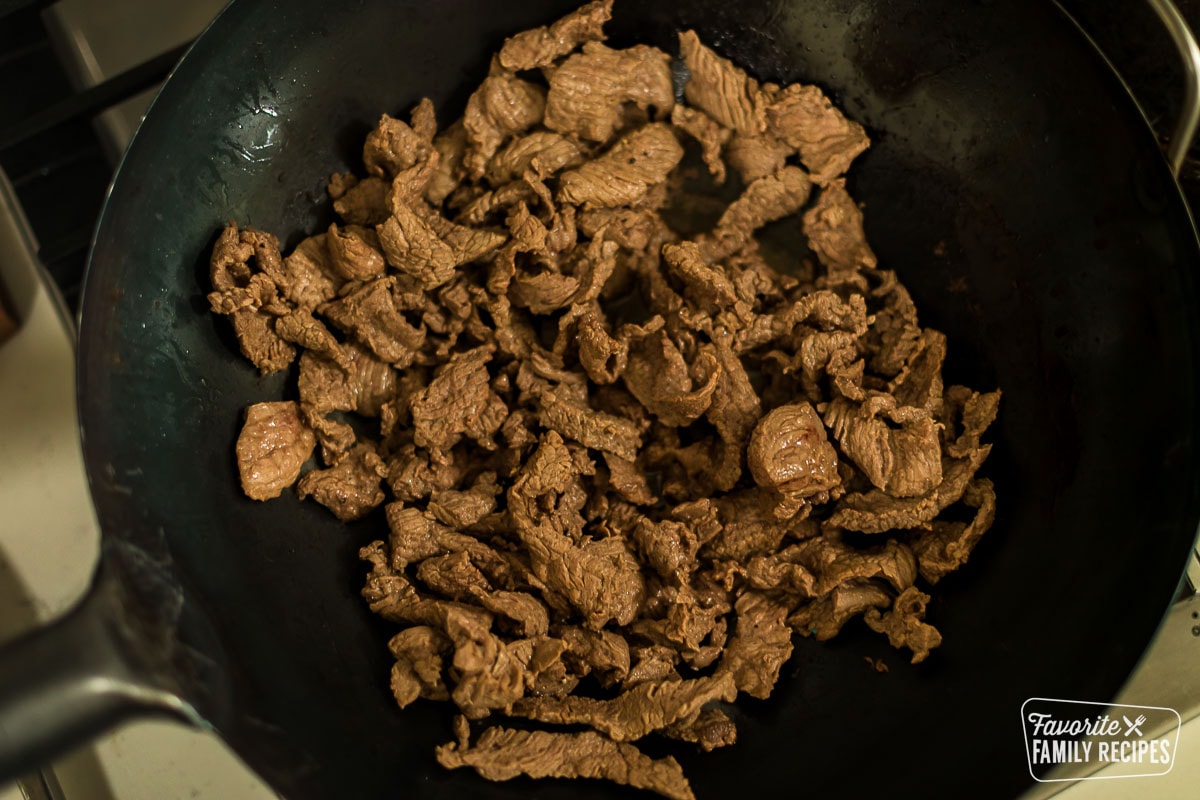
[63,684]
[1189,51]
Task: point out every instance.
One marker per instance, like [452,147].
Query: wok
[1067,276]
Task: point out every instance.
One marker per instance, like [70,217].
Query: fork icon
[1135,726]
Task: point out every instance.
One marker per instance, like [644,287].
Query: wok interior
[1066,279]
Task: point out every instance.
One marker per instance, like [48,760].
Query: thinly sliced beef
[502,754]
[790,453]
[904,624]
[501,107]
[947,546]
[760,645]
[624,174]
[897,447]
[271,449]
[351,488]
[720,89]
[541,47]
[588,91]
[834,227]
[635,713]
[827,142]
[878,512]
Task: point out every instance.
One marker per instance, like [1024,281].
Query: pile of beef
[610,457]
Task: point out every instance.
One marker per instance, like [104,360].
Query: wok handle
[69,681]
[1189,51]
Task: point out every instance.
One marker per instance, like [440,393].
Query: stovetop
[50,52]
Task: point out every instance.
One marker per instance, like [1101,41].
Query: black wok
[1066,275]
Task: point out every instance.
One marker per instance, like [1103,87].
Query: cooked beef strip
[395,146]
[720,89]
[825,616]
[502,754]
[418,672]
[896,447]
[904,625]
[544,152]
[756,156]
[790,453]
[541,47]
[500,107]
[351,488]
[827,142]
[946,547]
[271,449]
[877,512]
[708,133]
[635,713]
[365,203]
[710,730]
[588,91]
[760,645]
[834,227]
[623,175]
[657,375]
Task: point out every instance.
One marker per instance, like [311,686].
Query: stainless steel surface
[1189,51]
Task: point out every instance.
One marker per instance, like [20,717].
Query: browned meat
[789,453]
[760,645]
[766,200]
[395,146]
[544,152]
[541,47]
[420,653]
[667,546]
[367,202]
[593,429]
[834,227]
[596,651]
[354,253]
[720,89]
[259,343]
[825,616]
[656,374]
[946,547]
[454,576]
[877,512]
[706,286]
[451,145]
[271,449]
[551,354]
[371,315]
[623,175]
[635,713]
[502,754]
[756,156]
[710,730]
[310,273]
[501,107]
[827,142]
[588,91]
[895,446]
[600,578]
[919,384]
[458,402]
[351,488]
[904,625]
[356,381]
[412,246]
